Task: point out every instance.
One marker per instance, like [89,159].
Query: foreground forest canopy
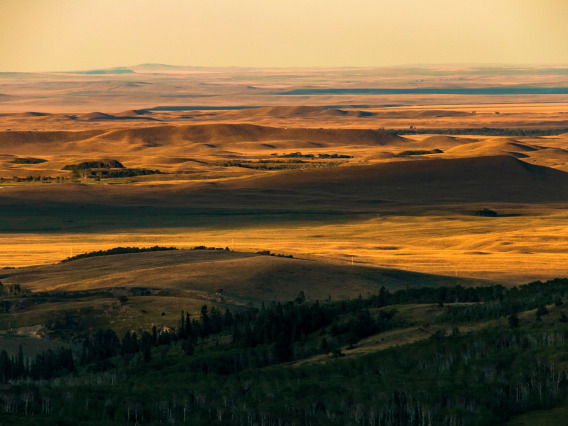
[472,356]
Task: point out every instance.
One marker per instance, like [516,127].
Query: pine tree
[205,322]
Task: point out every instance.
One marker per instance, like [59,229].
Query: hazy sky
[40,35]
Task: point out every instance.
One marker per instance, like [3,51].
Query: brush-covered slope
[239,275]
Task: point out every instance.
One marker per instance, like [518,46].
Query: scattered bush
[211,248]
[419,152]
[485,213]
[28,160]
[116,250]
[101,164]
[268,253]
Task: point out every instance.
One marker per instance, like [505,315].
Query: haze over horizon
[63,35]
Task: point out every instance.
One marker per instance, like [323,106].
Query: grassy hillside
[157,282]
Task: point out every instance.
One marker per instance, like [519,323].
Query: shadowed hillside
[240,275]
[299,112]
[479,179]
[494,178]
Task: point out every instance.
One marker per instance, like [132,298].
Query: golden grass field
[374,209]
[513,249]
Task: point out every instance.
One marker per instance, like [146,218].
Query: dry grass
[412,215]
[527,243]
[200,273]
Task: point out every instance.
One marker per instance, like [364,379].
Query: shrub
[485,213]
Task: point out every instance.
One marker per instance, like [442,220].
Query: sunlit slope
[239,275]
[221,135]
[494,146]
[171,148]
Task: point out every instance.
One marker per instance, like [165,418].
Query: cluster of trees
[279,164]
[273,334]
[312,156]
[101,164]
[12,289]
[28,160]
[116,250]
[125,173]
[106,169]
[486,213]
[269,253]
[419,152]
[521,298]
[43,366]
[210,248]
[36,178]
[125,250]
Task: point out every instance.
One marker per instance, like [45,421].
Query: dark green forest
[485,355]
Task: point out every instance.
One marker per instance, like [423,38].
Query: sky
[64,35]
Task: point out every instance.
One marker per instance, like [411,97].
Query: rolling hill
[240,275]
[476,179]
[218,136]
[495,146]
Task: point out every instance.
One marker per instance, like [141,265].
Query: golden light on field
[513,249]
[70,35]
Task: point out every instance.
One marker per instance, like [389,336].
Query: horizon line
[507,65]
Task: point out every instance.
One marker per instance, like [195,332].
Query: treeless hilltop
[490,147]
[239,274]
[178,138]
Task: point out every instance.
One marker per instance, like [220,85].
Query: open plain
[243,165]
[368,210]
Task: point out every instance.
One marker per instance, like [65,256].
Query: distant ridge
[127,115]
[301,111]
[117,70]
[501,90]
[222,134]
[32,114]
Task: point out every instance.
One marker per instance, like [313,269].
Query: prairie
[387,216]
